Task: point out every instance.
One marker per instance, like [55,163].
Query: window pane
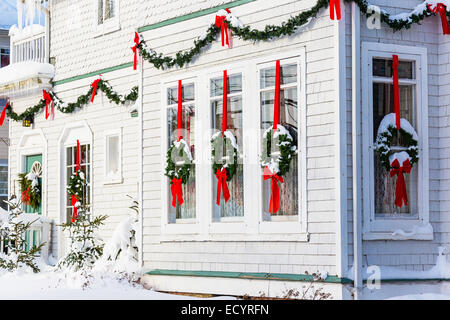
[188,94]
[234,85]
[288,75]
[113,156]
[235,205]
[187,209]
[100,12]
[288,118]
[383,68]
[384,185]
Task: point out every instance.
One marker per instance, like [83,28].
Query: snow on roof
[25,70]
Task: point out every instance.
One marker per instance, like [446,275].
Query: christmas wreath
[387,132]
[77,184]
[31,189]
[225,162]
[278,162]
[179,160]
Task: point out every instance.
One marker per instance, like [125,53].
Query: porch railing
[32,48]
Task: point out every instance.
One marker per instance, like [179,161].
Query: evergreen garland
[287,28]
[82,100]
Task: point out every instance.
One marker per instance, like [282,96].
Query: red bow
[395,64]
[442,12]
[48,100]
[335,4]
[137,42]
[26,196]
[221,23]
[400,188]
[222,184]
[2,118]
[74,200]
[177,191]
[274,189]
[94,86]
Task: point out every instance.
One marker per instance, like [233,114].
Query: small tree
[13,228]
[85,248]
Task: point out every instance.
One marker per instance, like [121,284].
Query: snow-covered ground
[57,285]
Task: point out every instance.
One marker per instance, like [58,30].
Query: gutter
[356,151]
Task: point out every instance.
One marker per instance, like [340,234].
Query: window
[382,218]
[113,157]
[3,183]
[85,164]
[289,200]
[4,57]
[106,10]
[186,211]
[234,207]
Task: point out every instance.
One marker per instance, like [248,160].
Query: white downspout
[356,151]
[141,160]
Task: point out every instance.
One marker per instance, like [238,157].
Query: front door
[34,164]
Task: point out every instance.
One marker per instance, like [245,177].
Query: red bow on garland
[221,23]
[177,191]
[26,196]
[400,188]
[2,117]
[137,41]
[442,12]
[335,5]
[274,189]
[94,87]
[222,185]
[73,201]
[48,102]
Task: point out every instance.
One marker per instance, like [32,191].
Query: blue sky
[8,14]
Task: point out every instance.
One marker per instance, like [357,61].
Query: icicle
[19,14]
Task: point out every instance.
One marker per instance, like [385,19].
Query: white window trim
[118,178]
[108,26]
[68,138]
[379,228]
[251,227]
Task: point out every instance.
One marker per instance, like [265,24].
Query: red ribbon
[26,196]
[134,48]
[224,103]
[94,86]
[74,200]
[442,12]
[177,191]
[335,4]
[221,23]
[222,185]
[48,102]
[2,118]
[274,189]
[276,103]
[180,110]
[78,156]
[395,64]
[400,188]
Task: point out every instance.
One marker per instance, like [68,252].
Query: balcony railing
[32,48]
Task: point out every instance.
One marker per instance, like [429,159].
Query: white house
[337,214]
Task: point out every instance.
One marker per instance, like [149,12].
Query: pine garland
[34,192]
[82,100]
[287,28]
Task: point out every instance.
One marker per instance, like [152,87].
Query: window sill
[299,237]
[106,28]
[417,232]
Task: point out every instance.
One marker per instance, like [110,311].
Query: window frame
[108,26]
[382,227]
[119,177]
[251,227]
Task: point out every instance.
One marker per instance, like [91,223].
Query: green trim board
[247,275]
[193,15]
[94,73]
